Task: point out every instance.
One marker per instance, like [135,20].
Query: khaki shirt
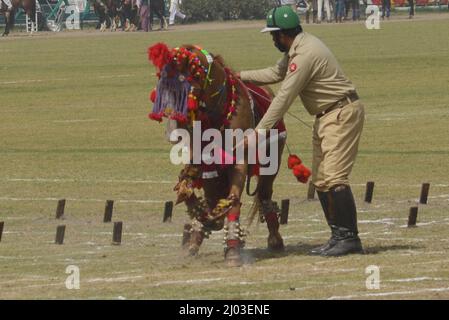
[309,70]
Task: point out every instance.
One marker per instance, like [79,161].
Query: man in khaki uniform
[310,70]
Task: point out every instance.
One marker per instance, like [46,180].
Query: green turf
[73,124]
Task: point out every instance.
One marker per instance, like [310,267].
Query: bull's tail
[254,211]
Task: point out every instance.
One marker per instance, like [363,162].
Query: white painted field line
[118,279]
[169,235]
[26,279]
[73,180]
[289,290]
[39,179]
[109,280]
[32,81]
[64,180]
[41,286]
[188,281]
[81,200]
[77,120]
[111,76]
[94,120]
[422,224]
[392,293]
[247,268]
[415,279]
[439,196]
[230,282]
[428,262]
[386,221]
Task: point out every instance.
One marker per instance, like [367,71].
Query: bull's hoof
[275,242]
[191,241]
[4,34]
[192,251]
[186,235]
[233,258]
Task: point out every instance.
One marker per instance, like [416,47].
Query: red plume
[159,54]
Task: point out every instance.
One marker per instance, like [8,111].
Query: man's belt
[350,98]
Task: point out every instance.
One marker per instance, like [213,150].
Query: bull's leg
[268,209]
[234,234]
[193,236]
[195,232]
[186,236]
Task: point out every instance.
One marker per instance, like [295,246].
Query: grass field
[73,124]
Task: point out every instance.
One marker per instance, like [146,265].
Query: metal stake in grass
[2,224]
[285,205]
[311,191]
[117,233]
[424,193]
[412,217]
[60,231]
[60,209]
[369,191]
[168,210]
[109,207]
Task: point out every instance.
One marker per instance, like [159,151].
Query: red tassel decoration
[153,95]
[293,160]
[180,118]
[156,116]
[192,102]
[300,171]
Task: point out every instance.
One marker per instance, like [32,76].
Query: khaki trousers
[336,137]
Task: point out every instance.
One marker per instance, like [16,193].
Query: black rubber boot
[324,200]
[346,242]
[345,233]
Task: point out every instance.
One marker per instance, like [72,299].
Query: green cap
[281,18]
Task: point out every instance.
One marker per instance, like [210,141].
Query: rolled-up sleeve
[269,75]
[296,79]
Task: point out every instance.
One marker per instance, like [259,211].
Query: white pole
[35,16]
[38,9]
[28,23]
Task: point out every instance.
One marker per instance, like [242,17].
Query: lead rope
[292,115]
[289,113]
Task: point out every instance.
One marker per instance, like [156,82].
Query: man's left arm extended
[296,79]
